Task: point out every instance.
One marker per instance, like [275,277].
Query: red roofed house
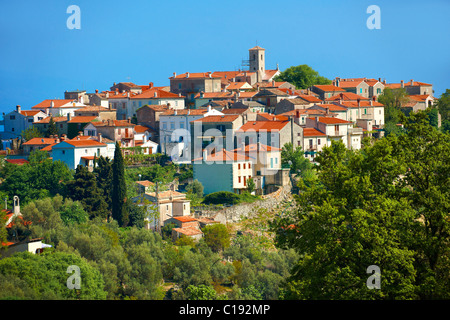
[412,87]
[143,138]
[79,152]
[38,144]
[19,120]
[274,133]
[115,130]
[186,226]
[222,170]
[59,107]
[154,96]
[326,91]
[337,129]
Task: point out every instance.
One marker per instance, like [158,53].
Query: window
[249,165]
[12,117]
[140,103]
[30,120]
[172,125]
[245,182]
[244,166]
[182,125]
[123,105]
[239,179]
[365,111]
[318,142]
[360,90]
[12,129]
[63,151]
[239,166]
[164,125]
[85,150]
[276,160]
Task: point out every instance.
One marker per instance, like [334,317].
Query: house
[418,102]
[230,170]
[270,97]
[186,226]
[253,106]
[300,115]
[77,124]
[274,133]
[38,144]
[326,91]
[412,87]
[154,96]
[145,186]
[337,129]
[217,130]
[266,164]
[166,204]
[59,107]
[149,116]
[175,131]
[143,138]
[286,105]
[189,84]
[313,142]
[364,109]
[238,86]
[203,98]
[102,113]
[79,152]
[334,110]
[355,85]
[19,120]
[115,130]
[60,122]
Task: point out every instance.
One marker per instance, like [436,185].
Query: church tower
[257,59]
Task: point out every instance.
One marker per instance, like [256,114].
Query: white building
[19,120]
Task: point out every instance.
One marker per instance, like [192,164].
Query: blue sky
[146,41]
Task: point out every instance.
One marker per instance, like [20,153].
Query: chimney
[63,137]
[129,120]
[99,137]
[187,74]
[18,109]
[412,82]
[210,74]
[297,114]
[150,85]
[52,104]
[96,90]
[155,94]
[371,102]
[209,108]
[379,79]
[273,83]
[80,133]
[116,91]
[69,116]
[359,102]
[179,94]
[402,84]
[174,74]
[107,95]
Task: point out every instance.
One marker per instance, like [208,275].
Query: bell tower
[257,59]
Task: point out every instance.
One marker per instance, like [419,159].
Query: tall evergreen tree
[52,128]
[84,188]
[104,173]
[119,189]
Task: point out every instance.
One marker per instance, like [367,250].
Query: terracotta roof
[224,155]
[39,141]
[269,116]
[224,118]
[82,119]
[56,102]
[247,94]
[309,98]
[183,112]
[145,183]
[141,129]
[419,97]
[185,218]
[188,231]
[328,87]
[257,48]
[298,101]
[157,94]
[166,194]
[234,111]
[85,143]
[55,119]
[17,161]
[88,157]
[29,113]
[236,85]
[93,109]
[254,147]
[263,126]
[156,107]
[332,107]
[332,120]
[312,132]
[269,74]
[346,96]
[215,95]
[302,111]
[113,123]
[406,84]
[362,104]
[228,75]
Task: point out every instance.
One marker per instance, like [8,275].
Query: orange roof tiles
[346,96]
[156,94]
[113,123]
[82,119]
[263,126]
[183,112]
[312,132]
[224,118]
[39,141]
[84,143]
[29,113]
[56,103]
[224,155]
[141,129]
[328,87]
[332,120]
[55,119]
[190,75]
[254,147]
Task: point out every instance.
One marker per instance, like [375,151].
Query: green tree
[30,133]
[119,190]
[251,185]
[302,76]
[195,187]
[221,197]
[201,292]
[104,172]
[52,128]
[443,106]
[216,236]
[84,188]
[295,158]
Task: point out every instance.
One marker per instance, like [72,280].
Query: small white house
[82,151]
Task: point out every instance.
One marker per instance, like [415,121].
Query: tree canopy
[302,76]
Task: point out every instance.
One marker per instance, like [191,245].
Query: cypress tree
[119,191]
[104,173]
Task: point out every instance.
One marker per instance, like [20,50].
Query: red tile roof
[157,94]
[141,129]
[85,143]
[56,102]
[39,141]
[332,120]
[17,161]
[113,123]
[183,112]
[254,147]
[312,132]
[328,87]
[55,119]
[263,126]
[269,116]
[224,155]
[82,119]
[346,96]
[29,113]
[224,118]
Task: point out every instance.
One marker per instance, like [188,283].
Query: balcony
[311,147]
[353,131]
